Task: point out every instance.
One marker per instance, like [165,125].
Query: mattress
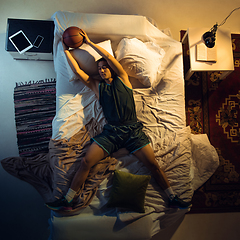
[188,160]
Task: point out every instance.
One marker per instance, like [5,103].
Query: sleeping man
[122,130]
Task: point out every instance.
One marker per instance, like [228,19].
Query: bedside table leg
[188,74]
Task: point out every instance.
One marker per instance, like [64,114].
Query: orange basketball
[72,37]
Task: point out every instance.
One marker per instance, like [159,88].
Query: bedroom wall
[22,212]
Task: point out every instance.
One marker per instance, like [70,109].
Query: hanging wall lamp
[209,37]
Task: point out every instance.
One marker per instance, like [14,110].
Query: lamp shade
[209,39]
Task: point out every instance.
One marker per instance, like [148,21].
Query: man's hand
[85,36]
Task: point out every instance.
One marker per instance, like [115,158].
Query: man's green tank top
[117,102]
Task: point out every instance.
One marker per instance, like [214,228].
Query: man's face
[104,70]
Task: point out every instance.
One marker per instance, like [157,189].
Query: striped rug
[35,107]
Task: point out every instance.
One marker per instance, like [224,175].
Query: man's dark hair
[101,59]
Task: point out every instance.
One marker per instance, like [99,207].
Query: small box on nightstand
[32,29]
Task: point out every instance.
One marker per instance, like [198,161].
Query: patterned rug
[35,107]
[213,107]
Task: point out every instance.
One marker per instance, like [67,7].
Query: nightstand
[31,28]
[224,53]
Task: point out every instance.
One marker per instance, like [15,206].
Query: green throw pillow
[128,191]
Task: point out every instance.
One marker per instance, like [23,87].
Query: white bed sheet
[188,160]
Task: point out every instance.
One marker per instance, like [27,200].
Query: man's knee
[86,163]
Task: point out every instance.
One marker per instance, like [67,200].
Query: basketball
[72,37]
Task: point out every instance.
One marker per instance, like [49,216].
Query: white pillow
[86,57]
[140,60]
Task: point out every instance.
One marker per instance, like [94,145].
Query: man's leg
[146,155]
[94,154]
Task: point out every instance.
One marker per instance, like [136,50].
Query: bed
[153,60]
